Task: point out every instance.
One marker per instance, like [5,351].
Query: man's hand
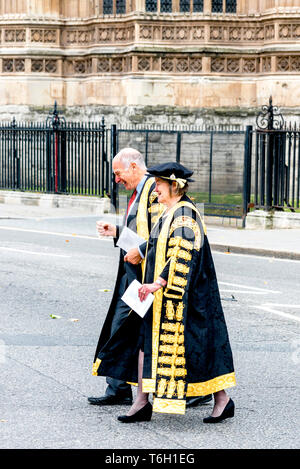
[106,229]
[133,256]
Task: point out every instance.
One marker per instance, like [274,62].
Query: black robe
[184,334]
[141,218]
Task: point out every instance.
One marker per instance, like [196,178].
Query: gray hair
[129,155]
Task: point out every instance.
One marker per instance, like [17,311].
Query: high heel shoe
[142,415]
[228,412]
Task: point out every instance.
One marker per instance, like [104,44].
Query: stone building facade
[168,61]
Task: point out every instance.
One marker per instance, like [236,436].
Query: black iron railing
[234,169]
[276,178]
[55,156]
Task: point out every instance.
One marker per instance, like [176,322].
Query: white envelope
[129,239]
[131,298]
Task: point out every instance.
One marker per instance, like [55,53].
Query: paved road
[59,267]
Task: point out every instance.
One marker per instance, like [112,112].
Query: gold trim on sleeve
[188,222]
[180,281]
[180,253]
[178,241]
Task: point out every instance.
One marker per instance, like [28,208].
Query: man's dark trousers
[116,387]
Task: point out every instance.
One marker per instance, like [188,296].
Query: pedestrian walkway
[279,243]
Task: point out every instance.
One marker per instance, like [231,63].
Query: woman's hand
[146,289]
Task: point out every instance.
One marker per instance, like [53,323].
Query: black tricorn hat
[171,171]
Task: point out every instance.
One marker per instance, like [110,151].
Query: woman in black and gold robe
[182,342]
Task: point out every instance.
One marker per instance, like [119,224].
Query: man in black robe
[130,170]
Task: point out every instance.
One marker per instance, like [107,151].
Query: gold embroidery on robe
[168,360]
[182,282]
[182,268]
[172,349]
[178,241]
[199,389]
[169,406]
[171,339]
[172,327]
[180,253]
[142,227]
[188,222]
[170,310]
[170,372]
[213,385]
[180,389]
[171,388]
[179,311]
[162,384]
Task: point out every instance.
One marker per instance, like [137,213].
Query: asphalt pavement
[56,281]
[279,243]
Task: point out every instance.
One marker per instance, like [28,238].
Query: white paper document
[131,298]
[129,239]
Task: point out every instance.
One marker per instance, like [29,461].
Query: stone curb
[91,204]
[255,251]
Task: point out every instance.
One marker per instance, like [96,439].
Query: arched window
[151,5]
[166,6]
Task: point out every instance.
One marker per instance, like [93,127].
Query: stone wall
[226,163]
[70,52]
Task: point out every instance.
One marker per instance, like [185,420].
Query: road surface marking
[247,291]
[268,258]
[70,235]
[266,307]
[264,290]
[33,252]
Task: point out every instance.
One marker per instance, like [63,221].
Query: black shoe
[228,412]
[110,400]
[199,400]
[142,415]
